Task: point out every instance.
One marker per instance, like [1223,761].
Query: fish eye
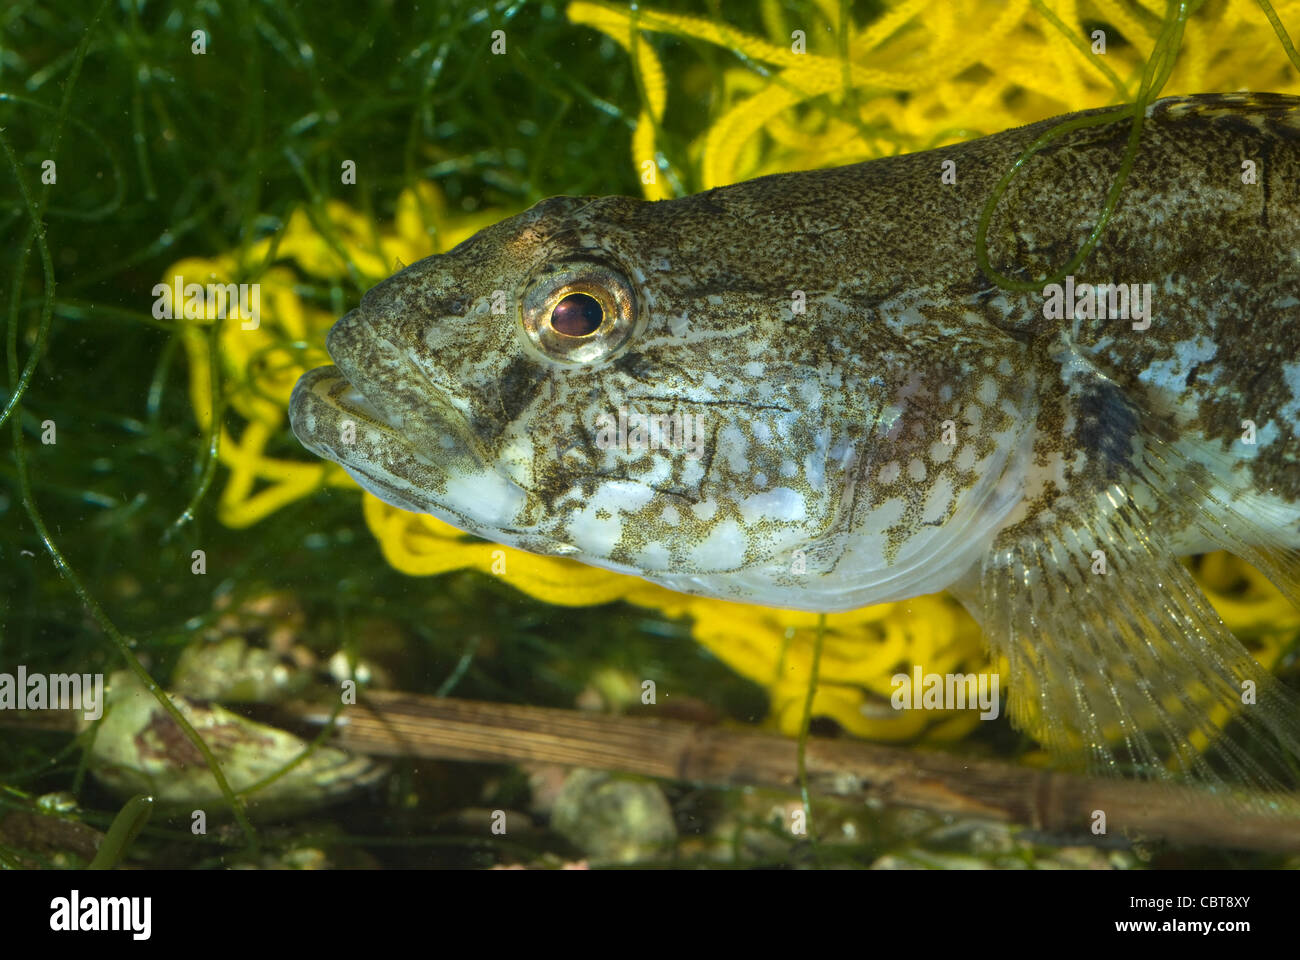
[578,311]
[577,315]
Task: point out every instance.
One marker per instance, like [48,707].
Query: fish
[806,391]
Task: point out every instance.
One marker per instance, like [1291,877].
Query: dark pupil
[577,315]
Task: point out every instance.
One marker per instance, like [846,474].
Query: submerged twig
[401,724]
[404,724]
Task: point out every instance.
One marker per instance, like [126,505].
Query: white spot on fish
[842,453]
[780,504]
[1291,411]
[653,556]
[734,448]
[722,548]
[888,513]
[1171,374]
[705,510]
[490,498]
[937,501]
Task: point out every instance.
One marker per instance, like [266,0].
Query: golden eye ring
[578,312]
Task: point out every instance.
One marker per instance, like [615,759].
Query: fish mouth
[395,433]
[334,420]
[325,410]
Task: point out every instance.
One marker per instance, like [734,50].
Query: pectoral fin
[1118,661]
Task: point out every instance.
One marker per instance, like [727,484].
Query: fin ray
[1132,670]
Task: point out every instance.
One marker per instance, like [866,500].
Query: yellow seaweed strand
[1078,43]
[652,84]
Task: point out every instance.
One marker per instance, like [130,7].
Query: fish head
[640,387]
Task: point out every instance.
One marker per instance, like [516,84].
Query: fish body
[803,391]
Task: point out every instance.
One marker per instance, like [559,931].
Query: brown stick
[403,724]
[394,724]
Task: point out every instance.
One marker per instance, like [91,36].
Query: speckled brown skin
[914,426]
